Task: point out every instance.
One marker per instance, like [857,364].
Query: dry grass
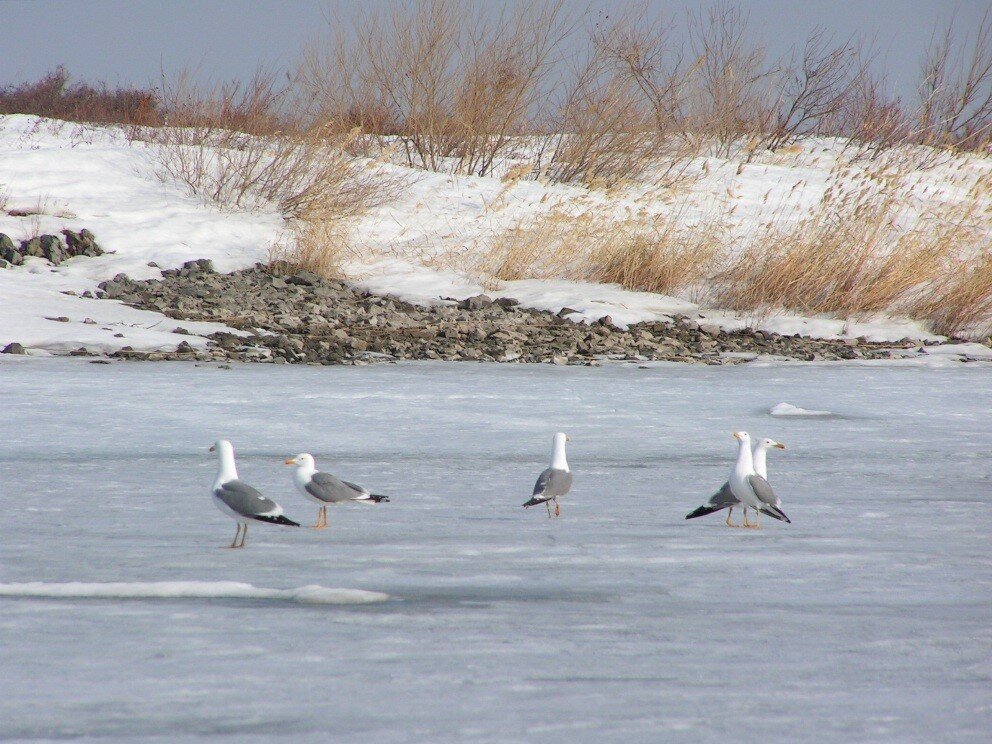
[642,253]
[959,301]
[660,254]
[863,251]
[317,246]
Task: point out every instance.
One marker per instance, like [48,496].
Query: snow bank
[787,409]
[311,594]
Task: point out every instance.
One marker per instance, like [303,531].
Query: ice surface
[787,409]
[867,619]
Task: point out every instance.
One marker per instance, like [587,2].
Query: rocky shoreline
[304,319]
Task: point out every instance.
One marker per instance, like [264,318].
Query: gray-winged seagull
[724,498]
[240,501]
[555,480]
[752,489]
[324,488]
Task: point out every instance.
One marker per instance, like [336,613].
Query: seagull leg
[547,505]
[557,508]
[244,536]
[237,534]
[730,512]
[745,523]
[323,518]
[755,526]
[320,514]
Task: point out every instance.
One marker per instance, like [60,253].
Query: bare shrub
[236,147]
[55,97]
[453,84]
[956,90]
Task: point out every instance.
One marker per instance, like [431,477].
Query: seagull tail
[774,511]
[703,511]
[277,520]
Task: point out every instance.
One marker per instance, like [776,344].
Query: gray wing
[326,487]
[244,499]
[553,483]
[723,498]
[763,490]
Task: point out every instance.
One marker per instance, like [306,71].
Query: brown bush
[53,96]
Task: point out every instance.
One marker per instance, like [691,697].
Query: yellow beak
[779,445]
[290,461]
[212,449]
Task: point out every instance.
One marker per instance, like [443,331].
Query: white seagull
[750,488]
[240,501]
[555,480]
[724,498]
[324,488]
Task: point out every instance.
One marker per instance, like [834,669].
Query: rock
[476,302]
[53,249]
[507,302]
[710,329]
[82,243]
[566,311]
[89,321]
[304,279]
[8,252]
[13,348]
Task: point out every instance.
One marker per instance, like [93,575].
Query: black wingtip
[278,520]
[378,498]
[535,501]
[777,513]
[703,511]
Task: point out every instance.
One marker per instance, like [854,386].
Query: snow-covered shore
[58,175]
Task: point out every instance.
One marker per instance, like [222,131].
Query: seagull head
[560,438]
[303,460]
[769,443]
[223,447]
[742,436]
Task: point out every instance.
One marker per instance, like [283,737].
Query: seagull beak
[568,438]
[290,461]
[737,434]
[212,448]
[779,445]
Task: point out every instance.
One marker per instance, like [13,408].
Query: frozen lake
[867,619]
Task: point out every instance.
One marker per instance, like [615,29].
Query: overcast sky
[131,41]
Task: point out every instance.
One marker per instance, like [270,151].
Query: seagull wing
[326,487]
[247,500]
[769,501]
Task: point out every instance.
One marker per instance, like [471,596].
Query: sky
[132,42]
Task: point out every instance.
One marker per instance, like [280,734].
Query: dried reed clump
[959,301]
[320,247]
[863,251]
[643,253]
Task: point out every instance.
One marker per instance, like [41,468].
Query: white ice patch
[787,409]
[310,594]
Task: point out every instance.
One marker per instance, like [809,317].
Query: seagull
[556,480]
[749,487]
[724,498]
[324,488]
[240,501]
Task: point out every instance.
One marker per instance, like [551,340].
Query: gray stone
[13,348]
[476,302]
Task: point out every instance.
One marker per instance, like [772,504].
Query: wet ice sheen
[866,619]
